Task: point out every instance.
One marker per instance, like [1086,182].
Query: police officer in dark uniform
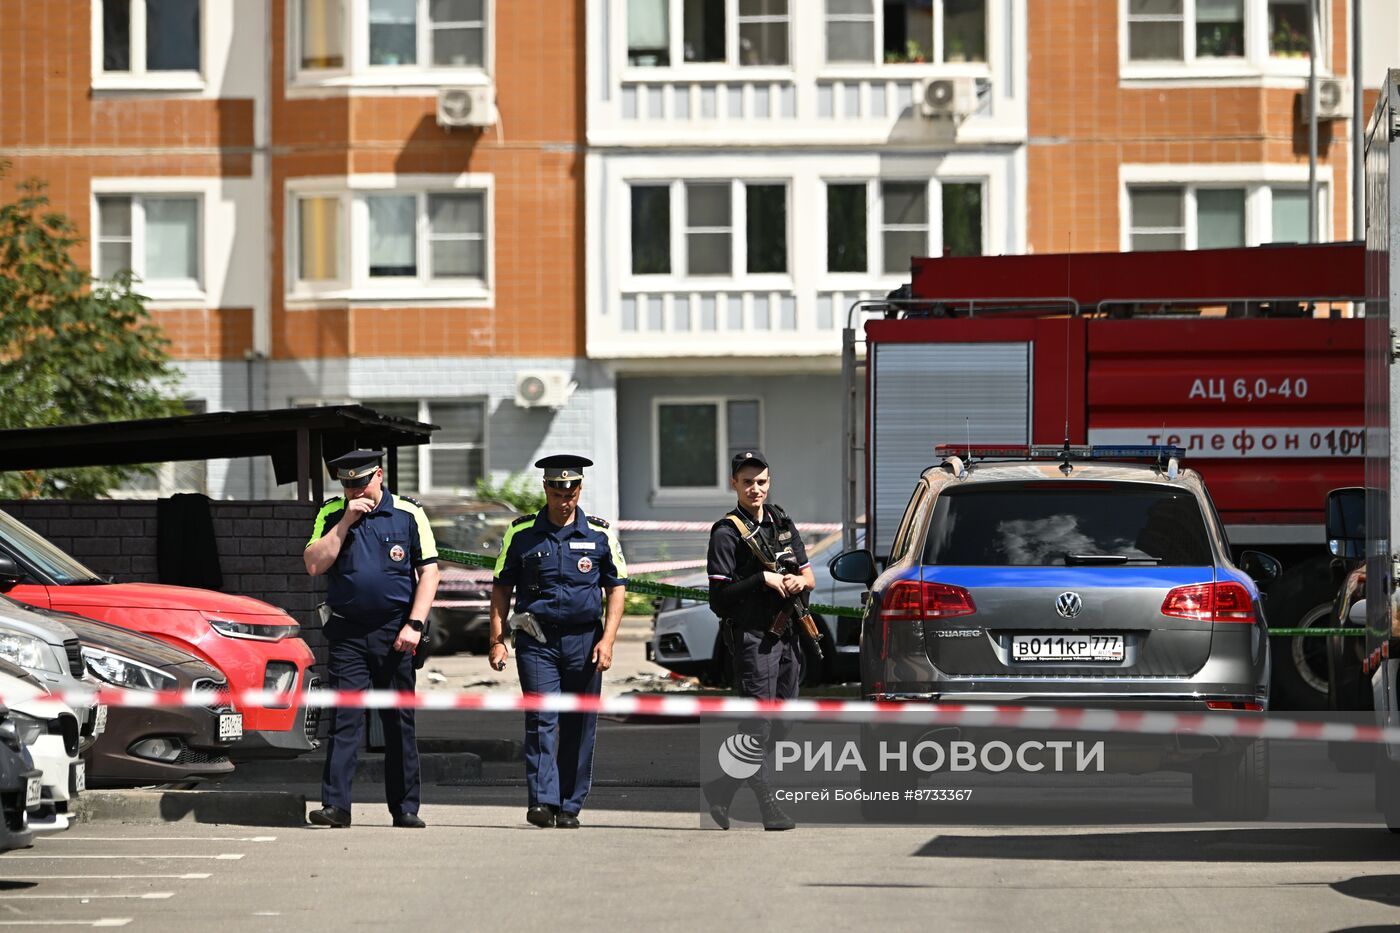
[558,564]
[748,597]
[381,560]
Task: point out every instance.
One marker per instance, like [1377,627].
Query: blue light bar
[1060,452]
[1103,452]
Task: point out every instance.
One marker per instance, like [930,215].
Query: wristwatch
[416,624]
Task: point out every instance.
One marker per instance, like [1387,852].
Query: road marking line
[69,838]
[103,922]
[223,856]
[191,876]
[149,896]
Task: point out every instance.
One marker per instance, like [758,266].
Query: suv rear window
[1055,525]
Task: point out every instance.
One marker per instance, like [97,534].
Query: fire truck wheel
[1300,600]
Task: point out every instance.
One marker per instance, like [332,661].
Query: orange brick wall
[535,157]
[1083,126]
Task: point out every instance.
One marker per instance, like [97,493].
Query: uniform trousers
[559,746]
[364,660]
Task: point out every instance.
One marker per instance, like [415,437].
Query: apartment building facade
[307,224]
[754,168]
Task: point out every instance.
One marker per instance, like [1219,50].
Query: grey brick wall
[259,543]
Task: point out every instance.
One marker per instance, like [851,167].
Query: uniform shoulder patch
[522,520]
[409,499]
[595,520]
[330,500]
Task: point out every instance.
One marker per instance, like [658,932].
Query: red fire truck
[1250,359]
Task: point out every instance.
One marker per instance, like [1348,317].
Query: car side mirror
[1356,615]
[1260,566]
[10,574]
[1346,522]
[853,567]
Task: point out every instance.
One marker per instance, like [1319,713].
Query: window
[156,237]
[846,228]
[850,30]
[322,34]
[1263,31]
[695,440]
[766,227]
[318,249]
[651,230]
[455,458]
[453,235]
[1158,218]
[394,239]
[141,36]
[903,224]
[1219,218]
[1288,28]
[763,32]
[1214,216]
[704,30]
[1289,215]
[648,33]
[935,31]
[392,36]
[708,228]
[962,219]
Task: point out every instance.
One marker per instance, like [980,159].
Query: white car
[48,728]
[50,651]
[685,635]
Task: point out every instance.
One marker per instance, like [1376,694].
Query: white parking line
[191,876]
[149,896]
[70,838]
[103,922]
[223,857]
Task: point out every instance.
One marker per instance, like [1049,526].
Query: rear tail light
[1210,602]
[1236,705]
[913,601]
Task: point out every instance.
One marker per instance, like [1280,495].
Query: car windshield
[1017,525]
[53,563]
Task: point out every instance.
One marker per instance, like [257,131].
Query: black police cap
[356,468]
[745,457]
[563,470]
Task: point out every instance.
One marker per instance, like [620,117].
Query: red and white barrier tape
[453,576]
[1218,724]
[643,524]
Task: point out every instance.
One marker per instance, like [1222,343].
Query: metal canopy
[298,440]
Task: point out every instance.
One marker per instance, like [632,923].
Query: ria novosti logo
[741,756]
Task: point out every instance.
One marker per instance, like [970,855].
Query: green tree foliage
[524,493]
[72,350]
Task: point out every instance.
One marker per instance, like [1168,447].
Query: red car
[255,645]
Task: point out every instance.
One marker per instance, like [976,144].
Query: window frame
[722,457]
[1256,62]
[354,283]
[139,76]
[155,289]
[1258,206]
[357,70]
[424,452]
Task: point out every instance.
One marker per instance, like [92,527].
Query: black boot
[719,794]
[773,817]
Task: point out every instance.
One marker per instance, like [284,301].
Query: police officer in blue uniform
[381,562]
[559,564]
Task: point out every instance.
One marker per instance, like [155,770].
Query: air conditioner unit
[947,98]
[1333,99]
[543,388]
[466,106]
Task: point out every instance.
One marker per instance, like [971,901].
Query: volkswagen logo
[1068,605]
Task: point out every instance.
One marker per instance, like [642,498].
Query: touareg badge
[585,564]
[396,553]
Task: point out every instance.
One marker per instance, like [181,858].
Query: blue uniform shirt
[372,579]
[558,573]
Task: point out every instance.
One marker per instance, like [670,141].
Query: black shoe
[541,815]
[566,821]
[719,794]
[774,819]
[409,821]
[330,816]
